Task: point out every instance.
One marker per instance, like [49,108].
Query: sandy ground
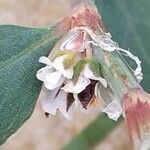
[39,133]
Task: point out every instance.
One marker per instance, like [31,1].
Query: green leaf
[78,68]
[129,23]
[95,66]
[20,49]
[93,134]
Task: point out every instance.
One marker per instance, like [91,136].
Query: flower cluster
[74,77]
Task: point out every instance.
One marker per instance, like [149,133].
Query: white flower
[85,89]
[85,92]
[58,65]
[54,74]
[63,89]
[83,81]
[56,100]
[78,87]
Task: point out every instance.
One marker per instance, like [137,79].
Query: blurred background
[39,133]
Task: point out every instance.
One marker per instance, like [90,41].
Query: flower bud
[136,107]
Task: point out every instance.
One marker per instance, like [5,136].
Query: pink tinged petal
[54,80]
[45,60]
[56,100]
[75,41]
[88,18]
[136,106]
[68,43]
[58,65]
[77,87]
[71,42]
[89,74]
[42,73]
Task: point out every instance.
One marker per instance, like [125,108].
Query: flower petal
[52,103]
[113,110]
[78,87]
[45,60]
[106,94]
[42,73]
[48,100]
[58,65]
[109,104]
[100,102]
[54,80]
[89,74]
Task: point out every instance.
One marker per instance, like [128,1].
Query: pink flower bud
[88,18]
[136,106]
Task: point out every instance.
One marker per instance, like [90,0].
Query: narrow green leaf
[20,49]
[93,134]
